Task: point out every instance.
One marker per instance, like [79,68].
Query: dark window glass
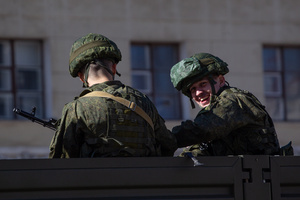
[20,77]
[282,82]
[151,65]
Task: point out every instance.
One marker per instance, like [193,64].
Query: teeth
[203,99]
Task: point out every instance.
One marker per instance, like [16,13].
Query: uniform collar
[101,86]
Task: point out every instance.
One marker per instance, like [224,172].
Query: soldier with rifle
[108,118]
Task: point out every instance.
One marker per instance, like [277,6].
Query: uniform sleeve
[165,138]
[229,113]
[64,143]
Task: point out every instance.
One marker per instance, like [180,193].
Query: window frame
[151,93]
[12,67]
[281,73]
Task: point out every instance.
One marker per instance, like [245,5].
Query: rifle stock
[31,116]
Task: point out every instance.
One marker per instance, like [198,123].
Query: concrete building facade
[238,31]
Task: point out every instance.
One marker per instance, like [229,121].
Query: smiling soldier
[231,121]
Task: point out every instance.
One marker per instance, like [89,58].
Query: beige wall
[235,30]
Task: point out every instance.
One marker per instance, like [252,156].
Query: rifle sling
[129,104]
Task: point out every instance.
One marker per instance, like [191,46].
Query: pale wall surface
[235,30]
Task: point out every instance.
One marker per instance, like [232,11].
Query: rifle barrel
[31,117]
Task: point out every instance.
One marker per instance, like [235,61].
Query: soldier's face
[201,91]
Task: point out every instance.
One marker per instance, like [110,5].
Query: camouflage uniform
[98,127]
[93,126]
[234,123]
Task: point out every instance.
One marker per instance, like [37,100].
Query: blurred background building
[259,39]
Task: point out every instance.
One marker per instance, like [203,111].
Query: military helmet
[194,68]
[91,47]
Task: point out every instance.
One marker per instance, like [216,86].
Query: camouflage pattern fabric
[101,127]
[190,70]
[89,48]
[235,123]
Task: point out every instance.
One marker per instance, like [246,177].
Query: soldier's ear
[81,76]
[222,80]
[114,68]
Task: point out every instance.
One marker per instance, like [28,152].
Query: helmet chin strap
[86,74]
[192,103]
[212,83]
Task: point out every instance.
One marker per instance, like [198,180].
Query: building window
[21,80]
[282,82]
[151,65]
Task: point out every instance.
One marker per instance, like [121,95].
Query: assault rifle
[31,116]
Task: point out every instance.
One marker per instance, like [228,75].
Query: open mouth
[204,98]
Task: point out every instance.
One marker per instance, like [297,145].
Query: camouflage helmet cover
[194,68]
[90,47]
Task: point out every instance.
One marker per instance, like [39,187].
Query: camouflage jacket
[235,123]
[98,127]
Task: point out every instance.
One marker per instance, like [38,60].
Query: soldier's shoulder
[234,91]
